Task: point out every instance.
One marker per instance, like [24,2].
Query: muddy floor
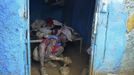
[80,61]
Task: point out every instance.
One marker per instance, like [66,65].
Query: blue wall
[109,45]
[79,15]
[40,10]
[110,37]
[12,38]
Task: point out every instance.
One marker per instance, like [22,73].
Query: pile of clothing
[43,29]
[54,35]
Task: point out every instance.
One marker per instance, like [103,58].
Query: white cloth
[55,22]
[67,32]
[45,31]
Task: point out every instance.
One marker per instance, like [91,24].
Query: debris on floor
[65,70]
[85,71]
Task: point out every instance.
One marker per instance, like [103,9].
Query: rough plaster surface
[127,63]
[128,59]
[12,38]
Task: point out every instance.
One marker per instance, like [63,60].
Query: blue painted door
[14,39]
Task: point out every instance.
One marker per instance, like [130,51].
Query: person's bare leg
[66,60]
[42,59]
[52,57]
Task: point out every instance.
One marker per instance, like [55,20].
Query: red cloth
[50,22]
[55,48]
[45,41]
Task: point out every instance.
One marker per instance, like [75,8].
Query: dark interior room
[74,19]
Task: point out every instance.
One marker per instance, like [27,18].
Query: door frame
[28,50]
[93,37]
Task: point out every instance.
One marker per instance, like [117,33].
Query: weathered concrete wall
[110,37]
[12,37]
[127,66]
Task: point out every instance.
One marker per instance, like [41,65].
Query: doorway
[78,16]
